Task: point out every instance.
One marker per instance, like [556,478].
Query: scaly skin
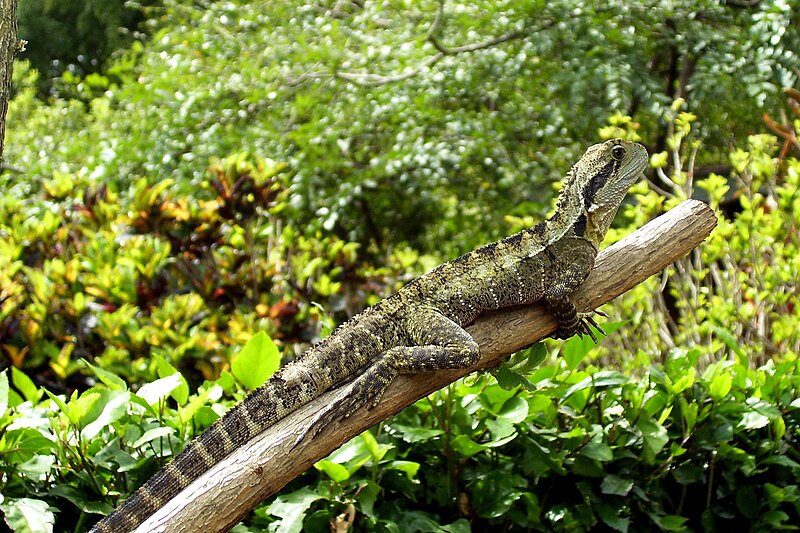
[420,328]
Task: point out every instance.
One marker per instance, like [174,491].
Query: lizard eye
[618,153]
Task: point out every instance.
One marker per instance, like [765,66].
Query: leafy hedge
[676,449]
[121,276]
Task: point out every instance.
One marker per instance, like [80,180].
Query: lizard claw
[586,320]
[584,326]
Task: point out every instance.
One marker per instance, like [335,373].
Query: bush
[676,449]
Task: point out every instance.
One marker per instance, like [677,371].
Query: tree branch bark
[9,46]
[227,492]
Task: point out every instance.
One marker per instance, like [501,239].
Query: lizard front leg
[556,299]
[438,343]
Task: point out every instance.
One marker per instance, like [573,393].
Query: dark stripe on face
[598,181]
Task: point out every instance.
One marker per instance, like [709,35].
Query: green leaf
[83,409]
[509,379]
[335,471]
[495,493]
[598,451]
[415,434]
[609,514]
[291,509]
[3,394]
[153,434]
[164,369]
[37,466]
[366,496]
[155,392]
[654,436]
[752,420]
[115,408]
[514,411]
[409,468]
[80,499]
[576,349]
[19,445]
[376,450]
[111,381]
[613,484]
[25,385]
[29,515]
[729,339]
[466,446]
[672,522]
[257,361]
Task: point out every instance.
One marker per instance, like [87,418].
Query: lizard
[420,328]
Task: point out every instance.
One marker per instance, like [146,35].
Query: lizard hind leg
[436,343]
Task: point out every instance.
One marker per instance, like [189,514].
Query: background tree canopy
[393,128]
[182,175]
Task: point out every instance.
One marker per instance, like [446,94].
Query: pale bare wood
[225,494]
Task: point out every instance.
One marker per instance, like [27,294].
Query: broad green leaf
[257,361]
[3,394]
[509,379]
[502,432]
[414,434]
[466,446]
[514,411]
[335,471]
[81,499]
[366,496]
[155,392]
[111,381]
[165,369]
[25,385]
[409,468]
[598,451]
[613,484]
[21,444]
[575,349]
[291,509]
[153,434]
[376,451]
[672,522]
[655,438]
[37,466]
[496,492]
[29,515]
[115,408]
[609,514]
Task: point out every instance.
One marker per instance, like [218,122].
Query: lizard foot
[582,327]
[365,390]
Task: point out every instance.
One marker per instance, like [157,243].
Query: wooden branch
[225,494]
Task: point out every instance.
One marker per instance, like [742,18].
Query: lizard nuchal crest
[421,327]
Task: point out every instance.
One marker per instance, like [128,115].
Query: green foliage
[121,277]
[455,139]
[676,448]
[137,255]
[71,41]
[735,293]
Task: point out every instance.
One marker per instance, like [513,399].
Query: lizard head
[596,186]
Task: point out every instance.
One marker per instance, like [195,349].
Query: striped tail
[258,411]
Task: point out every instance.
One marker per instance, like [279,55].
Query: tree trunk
[9,46]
